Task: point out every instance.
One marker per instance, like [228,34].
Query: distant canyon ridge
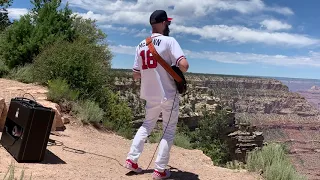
[270,98]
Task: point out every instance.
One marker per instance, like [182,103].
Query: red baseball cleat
[161,175]
[132,166]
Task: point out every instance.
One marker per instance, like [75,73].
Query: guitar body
[182,87]
[174,71]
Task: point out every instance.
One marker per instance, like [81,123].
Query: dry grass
[180,140]
[11,173]
[273,163]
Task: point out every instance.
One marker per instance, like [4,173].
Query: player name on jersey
[155,42]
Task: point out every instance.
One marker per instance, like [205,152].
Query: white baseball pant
[153,111]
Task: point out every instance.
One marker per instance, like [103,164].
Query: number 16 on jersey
[147,60]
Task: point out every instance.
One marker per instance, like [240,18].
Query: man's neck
[156,32]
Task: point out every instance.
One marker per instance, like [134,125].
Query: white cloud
[280,10]
[195,41]
[143,33]
[93,16]
[251,6]
[115,28]
[128,18]
[239,34]
[274,25]
[15,13]
[122,49]
[312,59]
[138,12]
[187,12]
[245,35]
[125,30]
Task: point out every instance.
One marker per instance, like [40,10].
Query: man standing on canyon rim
[160,92]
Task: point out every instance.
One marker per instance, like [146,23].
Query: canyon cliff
[267,103]
[244,95]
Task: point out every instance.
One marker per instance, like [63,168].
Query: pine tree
[4,18]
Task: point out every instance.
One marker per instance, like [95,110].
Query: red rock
[3,113]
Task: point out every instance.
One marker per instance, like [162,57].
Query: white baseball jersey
[156,83]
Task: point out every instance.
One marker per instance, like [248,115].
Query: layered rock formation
[315,88]
[253,95]
[312,95]
[265,103]
[241,94]
[245,139]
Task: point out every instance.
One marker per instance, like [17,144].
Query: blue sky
[277,38]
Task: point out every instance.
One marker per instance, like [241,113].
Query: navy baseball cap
[159,16]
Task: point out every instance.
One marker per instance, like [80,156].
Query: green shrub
[22,73]
[84,66]
[125,132]
[155,137]
[46,23]
[118,116]
[16,47]
[267,156]
[273,162]
[88,111]
[217,151]
[70,55]
[182,140]
[210,136]
[4,70]
[234,164]
[60,91]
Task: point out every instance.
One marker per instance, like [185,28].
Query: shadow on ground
[51,158]
[176,174]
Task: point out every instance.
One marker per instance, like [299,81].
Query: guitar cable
[164,130]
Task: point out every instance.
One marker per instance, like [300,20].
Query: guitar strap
[162,62]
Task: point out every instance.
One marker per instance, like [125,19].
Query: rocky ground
[101,156]
[83,152]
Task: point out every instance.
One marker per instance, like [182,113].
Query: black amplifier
[27,129]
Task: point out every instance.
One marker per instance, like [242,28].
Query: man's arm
[178,57]
[136,67]
[183,65]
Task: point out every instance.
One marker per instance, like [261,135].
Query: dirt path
[10,89]
[101,155]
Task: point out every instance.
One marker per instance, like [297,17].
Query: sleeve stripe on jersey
[136,70]
[179,59]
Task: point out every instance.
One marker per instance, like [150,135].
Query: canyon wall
[258,96]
